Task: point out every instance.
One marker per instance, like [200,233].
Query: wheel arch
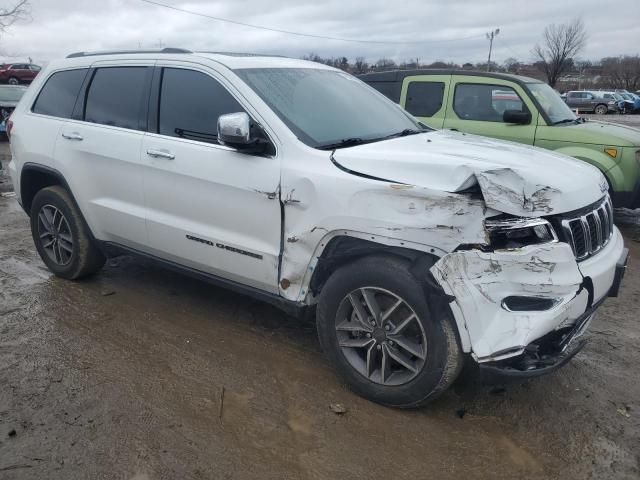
[35,177]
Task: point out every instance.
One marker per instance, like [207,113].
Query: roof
[232,60]
[399,75]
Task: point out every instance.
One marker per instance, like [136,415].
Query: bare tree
[511,65]
[10,15]
[385,64]
[360,65]
[561,43]
[622,72]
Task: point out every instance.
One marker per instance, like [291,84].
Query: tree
[360,65]
[561,43]
[385,64]
[10,15]
[622,72]
[511,65]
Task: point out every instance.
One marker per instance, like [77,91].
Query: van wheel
[384,335]
[601,109]
[61,235]
[13,81]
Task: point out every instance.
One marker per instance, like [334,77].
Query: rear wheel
[601,109]
[61,235]
[13,81]
[385,336]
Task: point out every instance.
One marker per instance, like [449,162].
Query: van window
[58,96]
[116,96]
[424,99]
[486,103]
[190,104]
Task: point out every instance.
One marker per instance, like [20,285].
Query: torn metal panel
[390,214]
[480,281]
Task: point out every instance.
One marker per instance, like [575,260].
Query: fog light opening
[517,303]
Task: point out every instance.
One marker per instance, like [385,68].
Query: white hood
[515,179]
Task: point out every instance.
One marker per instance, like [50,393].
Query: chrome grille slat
[590,232]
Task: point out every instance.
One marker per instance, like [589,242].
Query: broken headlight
[517,232]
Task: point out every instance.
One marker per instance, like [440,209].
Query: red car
[17,73]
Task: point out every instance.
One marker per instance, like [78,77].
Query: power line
[300,34]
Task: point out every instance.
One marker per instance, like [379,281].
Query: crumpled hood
[515,179]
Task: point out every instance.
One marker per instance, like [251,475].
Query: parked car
[9,97]
[17,73]
[633,101]
[296,183]
[583,101]
[622,105]
[465,101]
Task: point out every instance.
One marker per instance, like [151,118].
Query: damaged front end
[522,302]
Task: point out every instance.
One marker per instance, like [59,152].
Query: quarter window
[58,96]
[190,104]
[485,103]
[116,96]
[424,99]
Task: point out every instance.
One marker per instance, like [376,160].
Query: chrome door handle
[72,136]
[161,154]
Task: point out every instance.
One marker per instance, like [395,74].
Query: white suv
[299,184]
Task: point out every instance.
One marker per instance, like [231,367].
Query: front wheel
[384,335]
[601,109]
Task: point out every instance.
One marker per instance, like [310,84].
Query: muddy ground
[139,373]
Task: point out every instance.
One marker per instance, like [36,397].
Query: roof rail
[120,52]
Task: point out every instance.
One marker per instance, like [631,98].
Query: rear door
[476,105]
[425,97]
[99,151]
[210,207]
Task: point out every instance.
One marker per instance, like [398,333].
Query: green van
[518,109]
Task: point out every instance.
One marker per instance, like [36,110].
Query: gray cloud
[59,27]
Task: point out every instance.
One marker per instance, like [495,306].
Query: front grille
[589,231]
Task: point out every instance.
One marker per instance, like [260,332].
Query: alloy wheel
[381,336]
[55,235]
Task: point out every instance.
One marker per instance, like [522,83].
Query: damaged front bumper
[522,310]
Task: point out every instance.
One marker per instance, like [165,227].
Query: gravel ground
[139,373]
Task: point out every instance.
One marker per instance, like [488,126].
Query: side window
[190,104]
[424,99]
[116,96]
[485,103]
[58,96]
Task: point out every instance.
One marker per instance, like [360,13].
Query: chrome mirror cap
[234,129]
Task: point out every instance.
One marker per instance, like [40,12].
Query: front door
[476,105]
[210,207]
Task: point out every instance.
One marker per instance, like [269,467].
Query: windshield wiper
[566,120]
[406,132]
[346,142]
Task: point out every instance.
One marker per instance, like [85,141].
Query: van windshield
[557,111]
[329,109]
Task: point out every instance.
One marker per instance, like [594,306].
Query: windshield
[11,94]
[326,108]
[551,103]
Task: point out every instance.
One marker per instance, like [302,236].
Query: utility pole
[490,36]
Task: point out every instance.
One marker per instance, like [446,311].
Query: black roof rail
[120,52]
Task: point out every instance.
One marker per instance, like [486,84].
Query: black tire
[444,357]
[83,257]
[601,109]
[13,81]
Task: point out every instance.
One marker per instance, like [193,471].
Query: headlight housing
[517,232]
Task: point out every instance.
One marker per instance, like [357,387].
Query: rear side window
[485,103]
[116,96]
[190,104]
[58,96]
[424,99]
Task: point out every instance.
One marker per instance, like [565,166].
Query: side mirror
[234,130]
[517,117]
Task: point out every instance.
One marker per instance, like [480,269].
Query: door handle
[72,136]
[161,154]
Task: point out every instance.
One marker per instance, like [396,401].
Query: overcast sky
[445,29]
